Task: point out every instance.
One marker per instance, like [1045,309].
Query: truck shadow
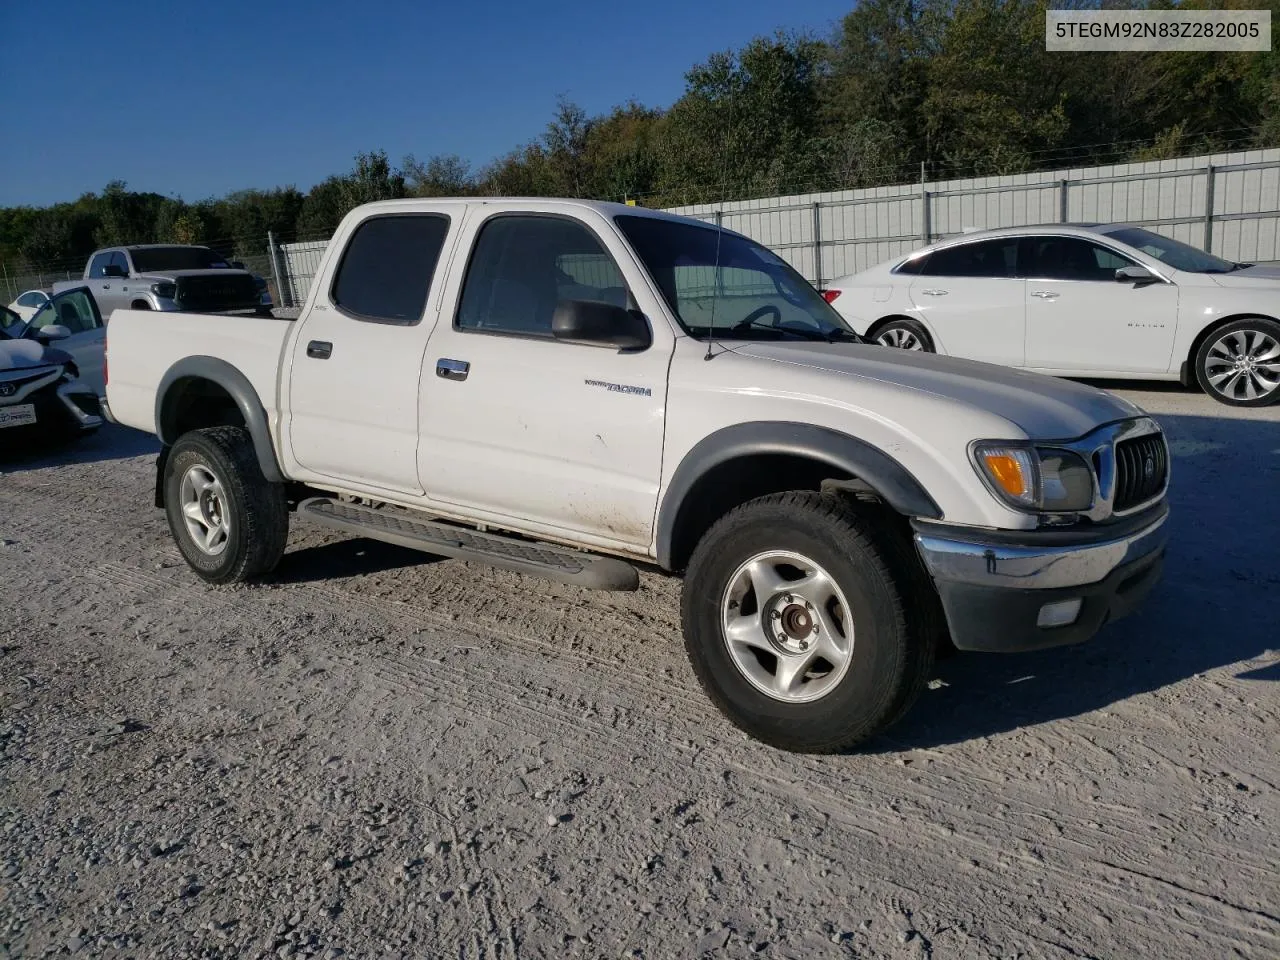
[346,558]
[1215,607]
[110,442]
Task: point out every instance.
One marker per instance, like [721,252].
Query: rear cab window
[387,267]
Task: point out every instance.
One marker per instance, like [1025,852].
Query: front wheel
[797,626]
[229,521]
[1239,364]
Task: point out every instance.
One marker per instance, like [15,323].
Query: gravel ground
[373,755]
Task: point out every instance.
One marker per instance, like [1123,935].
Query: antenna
[715,289]
[724,180]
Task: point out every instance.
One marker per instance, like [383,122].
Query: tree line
[904,88]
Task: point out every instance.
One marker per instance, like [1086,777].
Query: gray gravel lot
[372,755]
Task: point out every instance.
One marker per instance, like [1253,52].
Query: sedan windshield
[1176,254]
[151,259]
[716,280]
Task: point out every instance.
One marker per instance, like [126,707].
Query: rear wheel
[229,521]
[796,622]
[1239,364]
[904,334]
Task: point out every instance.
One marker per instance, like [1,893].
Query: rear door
[354,375]
[1079,317]
[972,298]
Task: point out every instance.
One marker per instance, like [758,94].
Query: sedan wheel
[904,334]
[1240,364]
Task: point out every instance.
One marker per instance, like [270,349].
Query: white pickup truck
[575,389]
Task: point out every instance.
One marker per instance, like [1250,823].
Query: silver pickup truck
[169,277]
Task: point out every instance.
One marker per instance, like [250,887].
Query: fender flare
[843,453]
[240,390]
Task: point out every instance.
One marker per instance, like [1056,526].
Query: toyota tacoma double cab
[169,277]
[581,390]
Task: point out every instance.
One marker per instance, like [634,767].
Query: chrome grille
[1142,468]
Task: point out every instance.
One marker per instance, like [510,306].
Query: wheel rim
[901,338]
[1244,365]
[204,510]
[787,627]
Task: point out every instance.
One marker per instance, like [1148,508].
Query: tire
[877,584]
[904,334]
[244,518]
[1239,364]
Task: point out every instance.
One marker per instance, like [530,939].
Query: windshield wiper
[827,336]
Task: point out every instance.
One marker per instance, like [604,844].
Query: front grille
[1142,467]
[217,292]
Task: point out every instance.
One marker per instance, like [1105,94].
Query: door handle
[934,293]
[1045,294]
[452,369]
[106,286]
[319,349]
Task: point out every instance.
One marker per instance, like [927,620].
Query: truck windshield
[151,259]
[737,287]
[1176,254]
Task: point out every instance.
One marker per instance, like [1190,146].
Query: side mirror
[114,270]
[1139,276]
[600,325]
[54,331]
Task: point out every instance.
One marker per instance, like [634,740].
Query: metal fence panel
[1228,203]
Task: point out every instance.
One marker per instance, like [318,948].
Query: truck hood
[1045,408]
[155,275]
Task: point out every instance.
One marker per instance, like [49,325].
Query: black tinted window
[146,259]
[1071,258]
[987,258]
[386,270]
[97,263]
[118,260]
[522,266]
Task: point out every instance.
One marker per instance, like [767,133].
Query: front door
[518,424]
[78,312]
[353,379]
[970,296]
[1080,318]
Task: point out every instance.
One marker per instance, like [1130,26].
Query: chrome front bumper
[995,585]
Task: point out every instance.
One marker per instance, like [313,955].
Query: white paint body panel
[1089,328]
[527,444]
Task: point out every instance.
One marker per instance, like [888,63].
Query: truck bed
[142,345]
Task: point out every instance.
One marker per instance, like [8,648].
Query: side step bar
[448,540]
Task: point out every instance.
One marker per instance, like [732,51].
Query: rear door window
[983,258]
[386,271]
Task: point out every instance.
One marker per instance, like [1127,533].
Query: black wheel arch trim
[879,471]
[241,391]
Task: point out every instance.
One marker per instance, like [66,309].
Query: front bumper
[995,586]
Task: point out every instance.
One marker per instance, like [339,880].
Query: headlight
[165,290]
[1042,479]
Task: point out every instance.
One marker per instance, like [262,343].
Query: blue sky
[197,100]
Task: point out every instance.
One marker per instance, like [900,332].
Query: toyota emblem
[7,389]
[1149,468]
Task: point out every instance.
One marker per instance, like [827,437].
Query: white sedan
[26,304]
[1082,300]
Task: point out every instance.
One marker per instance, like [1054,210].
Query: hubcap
[787,626]
[901,338]
[1244,365]
[204,509]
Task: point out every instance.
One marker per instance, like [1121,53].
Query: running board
[447,540]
